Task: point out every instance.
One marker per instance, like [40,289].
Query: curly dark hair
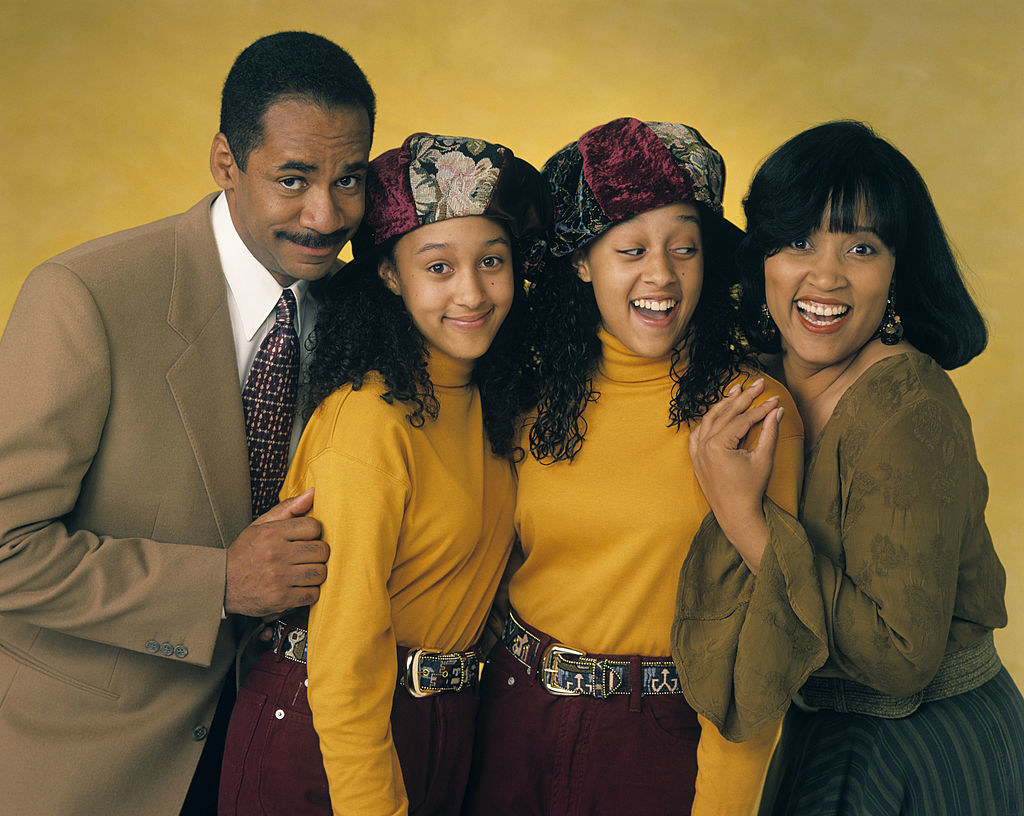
[842,170]
[564,319]
[362,327]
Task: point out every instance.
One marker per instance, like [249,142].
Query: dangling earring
[766,325]
[891,330]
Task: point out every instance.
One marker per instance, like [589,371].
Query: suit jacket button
[167,650]
[199,733]
[152,646]
[180,650]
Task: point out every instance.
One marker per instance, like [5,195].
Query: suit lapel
[204,379]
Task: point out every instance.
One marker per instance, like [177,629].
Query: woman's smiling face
[647,274]
[455,277]
[826,293]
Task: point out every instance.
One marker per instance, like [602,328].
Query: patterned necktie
[269,403]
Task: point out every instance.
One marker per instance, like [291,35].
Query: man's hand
[278,562]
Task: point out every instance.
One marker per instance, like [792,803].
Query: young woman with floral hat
[414,376]
[582,709]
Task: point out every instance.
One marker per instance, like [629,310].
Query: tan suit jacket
[123,478]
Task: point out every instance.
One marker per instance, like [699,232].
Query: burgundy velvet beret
[432,178]
[626,167]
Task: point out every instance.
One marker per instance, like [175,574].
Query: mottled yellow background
[108,109]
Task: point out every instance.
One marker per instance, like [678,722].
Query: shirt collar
[254,289]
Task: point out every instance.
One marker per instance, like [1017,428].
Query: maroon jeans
[537,754]
[272,761]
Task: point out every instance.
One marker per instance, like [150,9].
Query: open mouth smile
[657,309]
[822,316]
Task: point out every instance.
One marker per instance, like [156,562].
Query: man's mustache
[314,240]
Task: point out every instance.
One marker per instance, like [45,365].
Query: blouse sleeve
[740,650]
[878,610]
[352,648]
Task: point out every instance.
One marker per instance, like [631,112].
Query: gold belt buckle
[412,675]
[549,669]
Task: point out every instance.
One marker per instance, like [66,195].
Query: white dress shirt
[253,294]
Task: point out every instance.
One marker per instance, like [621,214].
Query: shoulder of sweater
[792,426]
[361,414]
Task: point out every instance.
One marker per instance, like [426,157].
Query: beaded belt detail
[289,641]
[426,673]
[570,673]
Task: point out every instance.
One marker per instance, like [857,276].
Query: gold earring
[891,330]
[766,325]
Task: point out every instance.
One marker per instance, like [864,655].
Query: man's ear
[389,275]
[222,163]
[579,260]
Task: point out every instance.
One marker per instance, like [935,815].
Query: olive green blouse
[890,566]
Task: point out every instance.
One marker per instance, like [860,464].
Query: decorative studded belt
[289,641]
[569,672]
[426,673]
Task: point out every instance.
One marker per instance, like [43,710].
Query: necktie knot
[285,309]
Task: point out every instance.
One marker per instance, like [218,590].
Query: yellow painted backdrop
[108,109]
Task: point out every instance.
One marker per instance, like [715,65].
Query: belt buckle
[549,669]
[412,675]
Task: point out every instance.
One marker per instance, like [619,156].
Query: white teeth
[654,305]
[822,309]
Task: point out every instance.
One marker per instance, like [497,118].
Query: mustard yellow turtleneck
[419,521]
[604,538]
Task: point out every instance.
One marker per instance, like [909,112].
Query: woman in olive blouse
[879,603]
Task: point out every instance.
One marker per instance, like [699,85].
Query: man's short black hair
[287,64]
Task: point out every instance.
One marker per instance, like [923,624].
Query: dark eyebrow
[431,247]
[692,218]
[305,167]
[298,166]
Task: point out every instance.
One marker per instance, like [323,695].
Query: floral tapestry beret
[432,178]
[623,168]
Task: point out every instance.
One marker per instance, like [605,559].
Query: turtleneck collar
[619,364]
[446,371]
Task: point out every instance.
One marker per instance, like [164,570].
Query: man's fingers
[290,508]
[303,528]
[305,552]
[308,575]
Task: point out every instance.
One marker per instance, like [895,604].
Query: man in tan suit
[128,551]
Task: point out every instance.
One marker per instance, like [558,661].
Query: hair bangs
[864,200]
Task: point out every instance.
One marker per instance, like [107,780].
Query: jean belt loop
[534,669]
[636,682]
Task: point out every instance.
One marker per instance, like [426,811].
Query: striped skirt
[962,756]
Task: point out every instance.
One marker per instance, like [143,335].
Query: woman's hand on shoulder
[732,477]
